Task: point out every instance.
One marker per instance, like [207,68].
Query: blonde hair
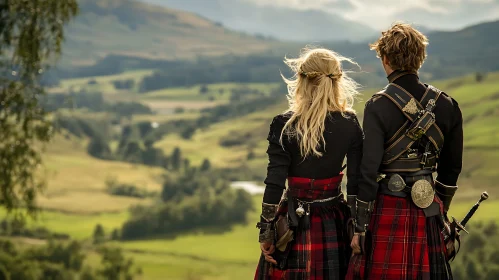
[318,87]
[403,46]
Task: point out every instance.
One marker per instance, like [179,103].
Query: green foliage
[176,159]
[136,146]
[31,33]
[479,77]
[243,102]
[99,235]
[261,68]
[115,235]
[251,155]
[235,139]
[479,256]
[61,261]
[113,187]
[87,274]
[124,84]
[193,200]
[115,265]
[99,148]
[206,165]
[17,228]
[92,101]
[132,152]
[203,89]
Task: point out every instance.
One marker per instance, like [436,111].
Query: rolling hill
[279,22]
[133,28]
[479,102]
[79,182]
[76,198]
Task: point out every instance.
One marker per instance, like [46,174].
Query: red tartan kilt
[322,251]
[401,245]
[319,253]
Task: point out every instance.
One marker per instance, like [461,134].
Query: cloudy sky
[447,14]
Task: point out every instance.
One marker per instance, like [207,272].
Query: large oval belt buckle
[396,183]
[422,193]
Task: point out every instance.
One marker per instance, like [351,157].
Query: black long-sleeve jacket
[343,137]
[382,119]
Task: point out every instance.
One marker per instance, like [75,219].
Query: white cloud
[380,13]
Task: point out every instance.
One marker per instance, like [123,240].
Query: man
[411,130]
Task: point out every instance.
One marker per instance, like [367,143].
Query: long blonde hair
[318,87]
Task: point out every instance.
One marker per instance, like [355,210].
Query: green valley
[76,198]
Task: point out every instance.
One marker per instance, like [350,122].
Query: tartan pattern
[404,244]
[318,253]
[305,188]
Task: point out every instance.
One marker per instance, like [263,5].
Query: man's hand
[267,250]
[357,244]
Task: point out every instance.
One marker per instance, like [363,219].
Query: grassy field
[479,102]
[102,84]
[76,181]
[205,255]
[75,200]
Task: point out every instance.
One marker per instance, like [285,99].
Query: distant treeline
[194,200]
[94,102]
[450,54]
[258,68]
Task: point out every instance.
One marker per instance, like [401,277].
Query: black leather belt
[409,181]
[410,164]
[293,205]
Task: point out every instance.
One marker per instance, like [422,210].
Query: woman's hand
[356,244]
[267,250]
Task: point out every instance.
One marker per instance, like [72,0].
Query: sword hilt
[470,214]
[484,196]
[459,227]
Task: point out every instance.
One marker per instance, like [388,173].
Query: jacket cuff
[445,193]
[363,215]
[268,212]
[352,204]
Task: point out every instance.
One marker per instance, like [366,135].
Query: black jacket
[382,119]
[343,137]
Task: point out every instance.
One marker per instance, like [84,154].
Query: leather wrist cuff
[267,232]
[352,204]
[363,215]
[268,212]
[445,193]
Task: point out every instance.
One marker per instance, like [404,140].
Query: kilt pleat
[318,253]
[405,244]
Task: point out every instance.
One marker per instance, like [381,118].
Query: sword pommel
[484,196]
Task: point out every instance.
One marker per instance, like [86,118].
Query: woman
[303,235]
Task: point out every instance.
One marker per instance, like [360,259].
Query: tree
[479,77]
[492,274]
[206,165]
[99,234]
[251,155]
[87,274]
[31,33]
[188,132]
[115,266]
[176,159]
[203,89]
[115,235]
[99,148]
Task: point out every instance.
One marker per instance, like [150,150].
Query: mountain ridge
[279,22]
[129,27]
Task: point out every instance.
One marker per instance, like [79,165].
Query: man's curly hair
[403,46]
